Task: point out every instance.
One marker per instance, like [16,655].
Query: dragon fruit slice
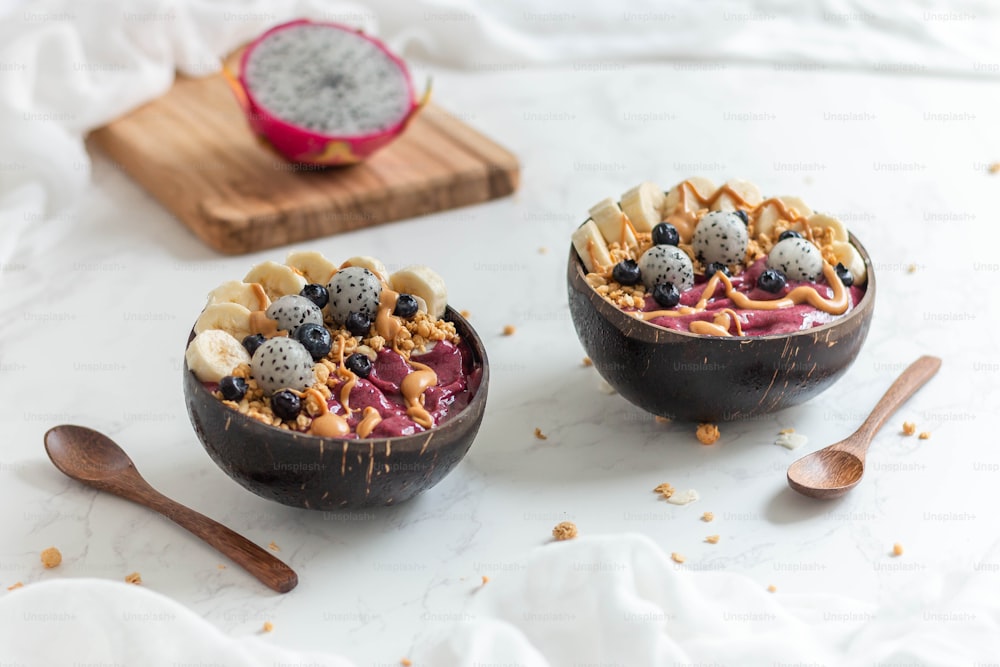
[324,93]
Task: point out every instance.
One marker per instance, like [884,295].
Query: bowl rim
[633,327]
[421,440]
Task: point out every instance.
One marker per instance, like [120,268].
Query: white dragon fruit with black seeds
[666,264]
[282,363]
[292,311]
[353,289]
[324,93]
[797,258]
[721,236]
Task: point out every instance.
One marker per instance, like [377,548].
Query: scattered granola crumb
[464,313]
[406,662]
[221,566]
[707,516]
[273,547]
[912,268]
[924,435]
[677,558]
[712,539]
[539,434]
[587,361]
[543,251]
[707,433]
[994,168]
[665,490]
[662,420]
[683,497]
[897,549]
[486,580]
[786,430]
[509,330]
[772,588]
[14,587]
[134,578]
[268,626]
[909,428]
[51,557]
[564,531]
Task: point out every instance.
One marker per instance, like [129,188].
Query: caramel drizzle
[260,323]
[370,419]
[330,425]
[412,387]
[627,227]
[801,294]
[593,260]
[350,379]
[386,325]
[263,301]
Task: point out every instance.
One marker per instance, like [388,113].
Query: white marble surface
[97,305]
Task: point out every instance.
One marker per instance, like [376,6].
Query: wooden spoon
[833,471]
[95,459]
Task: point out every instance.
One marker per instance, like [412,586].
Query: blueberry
[665,234]
[286,405]
[771,280]
[844,274]
[233,388]
[406,306]
[315,338]
[742,215]
[252,342]
[316,293]
[716,266]
[789,234]
[666,295]
[359,364]
[358,323]
[626,272]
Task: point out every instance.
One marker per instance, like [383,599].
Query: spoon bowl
[96,460]
[833,471]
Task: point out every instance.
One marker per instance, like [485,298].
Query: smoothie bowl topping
[720,261]
[346,351]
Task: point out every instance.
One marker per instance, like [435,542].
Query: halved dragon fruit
[324,93]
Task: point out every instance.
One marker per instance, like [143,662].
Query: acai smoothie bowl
[717,303]
[321,385]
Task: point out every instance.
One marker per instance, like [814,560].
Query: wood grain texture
[95,460]
[194,152]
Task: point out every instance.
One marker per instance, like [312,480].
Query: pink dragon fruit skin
[302,145]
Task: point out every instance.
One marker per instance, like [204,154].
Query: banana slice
[276,279]
[232,318]
[746,191]
[643,205]
[372,264]
[702,186]
[847,255]
[424,282]
[213,354]
[613,223]
[591,247]
[800,206]
[248,295]
[316,268]
[819,222]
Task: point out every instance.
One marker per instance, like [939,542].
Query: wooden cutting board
[193,150]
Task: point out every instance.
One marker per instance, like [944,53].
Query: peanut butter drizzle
[412,387]
[626,227]
[593,260]
[323,407]
[801,294]
[262,299]
[350,378]
[260,323]
[330,426]
[386,325]
[370,419]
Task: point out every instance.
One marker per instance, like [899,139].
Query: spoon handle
[269,570]
[913,378]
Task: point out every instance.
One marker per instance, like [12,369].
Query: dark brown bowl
[692,377]
[308,471]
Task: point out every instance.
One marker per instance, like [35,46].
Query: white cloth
[611,600]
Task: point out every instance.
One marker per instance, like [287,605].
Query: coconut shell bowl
[312,472]
[693,377]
